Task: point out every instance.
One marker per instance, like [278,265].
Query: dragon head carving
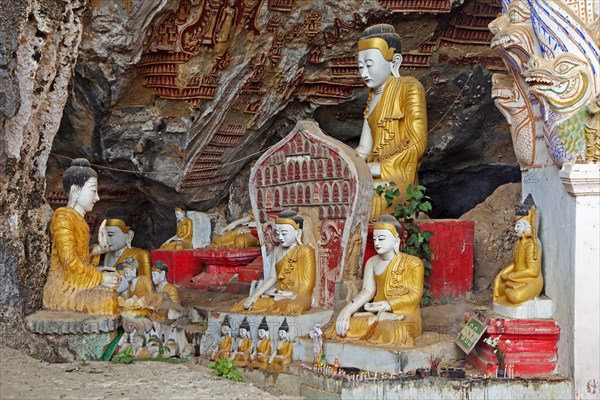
[564,82]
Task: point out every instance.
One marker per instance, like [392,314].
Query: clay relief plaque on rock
[324,182]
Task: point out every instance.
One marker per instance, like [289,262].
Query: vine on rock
[414,241]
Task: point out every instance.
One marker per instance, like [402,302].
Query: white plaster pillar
[582,182]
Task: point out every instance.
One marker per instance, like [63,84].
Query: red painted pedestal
[182,264]
[532,349]
[452,245]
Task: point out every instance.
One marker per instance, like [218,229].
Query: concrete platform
[53,322]
[381,359]
[299,381]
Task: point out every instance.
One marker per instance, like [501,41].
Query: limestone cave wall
[185,93]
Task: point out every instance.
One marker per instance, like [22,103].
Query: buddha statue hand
[249,303]
[103,245]
[110,279]
[342,323]
[378,306]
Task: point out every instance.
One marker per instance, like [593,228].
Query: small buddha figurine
[232,236]
[131,277]
[241,357]
[74,283]
[120,235]
[283,353]
[160,295]
[288,288]
[183,238]
[394,133]
[225,346]
[159,278]
[522,279]
[262,351]
[391,293]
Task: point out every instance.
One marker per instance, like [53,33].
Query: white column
[582,182]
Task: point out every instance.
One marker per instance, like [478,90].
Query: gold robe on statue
[141,256]
[284,355]
[242,355]
[74,282]
[224,349]
[263,352]
[398,126]
[184,232]
[296,272]
[161,301]
[401,285]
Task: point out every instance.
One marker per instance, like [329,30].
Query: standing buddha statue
[394,133]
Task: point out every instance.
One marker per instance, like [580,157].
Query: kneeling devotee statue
[522,279]
[394,133]
[74,283]
[289,287]
[120,235]
[391,293]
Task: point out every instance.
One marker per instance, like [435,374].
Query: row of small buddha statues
[386,310]
[244,352]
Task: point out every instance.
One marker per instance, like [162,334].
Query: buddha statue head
[379,55]
[288,229]
[527,219]
[226,326]
[386,235]
[80,181]
[159,272]
[179,214]
[244,329]
[118,228]
[263,329]
[284,330]
[128,268]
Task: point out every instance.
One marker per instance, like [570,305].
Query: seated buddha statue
[160,295]
[522,279]
[183,238]
[289,286]
[283,352]
[394,133]
[74,283]
[237,234]
[241,357]
[262,351]
[391,293]
[120,235]
[225,347]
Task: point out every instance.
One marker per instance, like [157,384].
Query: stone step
[53,322]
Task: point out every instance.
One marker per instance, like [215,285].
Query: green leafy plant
[226,369]
[125,357]
[415,242]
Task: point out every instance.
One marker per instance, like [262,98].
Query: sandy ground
[22,377]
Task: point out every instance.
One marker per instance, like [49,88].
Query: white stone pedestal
[538,308]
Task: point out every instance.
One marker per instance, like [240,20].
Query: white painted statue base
[299,325]
[383,359]
[538,308]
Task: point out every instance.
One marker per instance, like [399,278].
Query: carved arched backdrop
[182,90]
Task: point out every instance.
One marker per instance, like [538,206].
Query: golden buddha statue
[262,352]
[132,283]
[522,279]
[183,238]
[120,235]
[241,357]
[232,236]
[289,287]
[394,133]
[225,346]
[391,293]
[283,353]
[74,283]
